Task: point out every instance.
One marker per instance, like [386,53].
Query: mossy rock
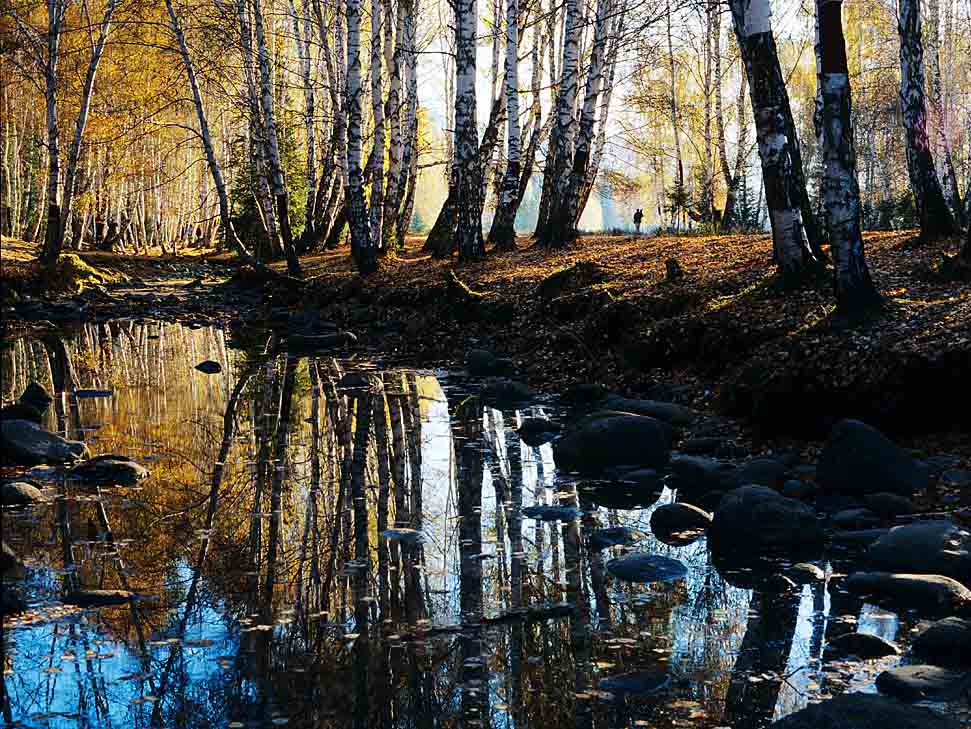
[72,275]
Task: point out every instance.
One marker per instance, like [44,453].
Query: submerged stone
[646,568]
[614,536]
[635,682]
[917,683]
[935,592]
[861,645]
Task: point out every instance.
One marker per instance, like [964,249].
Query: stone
[859,459]
[795,489]
[864,711]
[31,405]
[109,470]
[704,446]
[938,547]
[669,412]
[551,513]
[887,505]
[584,393]
[535,431]
[609,442]
[919,683]
[757,517]
[505,391]
[857,537]
[763,471]
[854,519]
[646,568]
[647,479]
[678,517]
[21,493]
[935,592]
[805,573]
[861,645]
[483,363]
[25,442]
[99,598]
[620,494]
[613,537]
[697,474]
[329,340]
[945,643]
[209,367]
[635,682]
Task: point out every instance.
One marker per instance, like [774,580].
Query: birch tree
[503,233]
[770,107]
[377,114]
[363,246]
[467,167]
[841,192]
[935,217]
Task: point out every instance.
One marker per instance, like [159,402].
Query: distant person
[638,217]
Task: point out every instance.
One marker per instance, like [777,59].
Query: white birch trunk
[503,233]
[467,169]
[377,112]
[362,246]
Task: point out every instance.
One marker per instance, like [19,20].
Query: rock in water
[613,536]
[756,517]
[669,412]
[99,598]
[935,592]
[916,683]
[109,470]
[25,442]
[646,568]
[503,391]
[483,363]
[861,645]
[679,517]
[21,493]
[864,711]
[611,441]
[209,367]
[536,431]
[887,505]
[945,643]
[930,547]
[859,459]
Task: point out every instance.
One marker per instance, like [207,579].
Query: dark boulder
[25,442]
[646,568]
[99,598]
[887,505]
[669,412]
[854,519]
[536,431]
[21,493]
[864,711]
[938,547]
[861,645]
[109,470]
[601,443]
[945,643]
[209,367]
[756,517]
[859,459]
[313,342]
[763,471]
[11,566]
[503,391]
[937,593]
[483,363]
[613,536]
[679,517]
[31,405]
[919,683]
[698,474]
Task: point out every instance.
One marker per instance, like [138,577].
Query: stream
[330,543]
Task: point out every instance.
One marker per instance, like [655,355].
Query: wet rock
[677,415]
[854,519]
[646,568]
[646,479]
[859,459]
[887,505]
[805,573]
[551,513]
[483,363]
[536,431]
[938,547]
[801,490]
[109,470]
[857,537]
[209,367]
[945,643]
[679,517]
[756,517]
[505,391]
[935,592]
[404,534]
[864,711]
[613,537]
[830,502]
[861,645]
[608,442]
[307,342]
[25,442]
[762,471]
[21,493]
[918,683]
[698,473]
[636,682]
[99,598]
[584,393]
[620,494]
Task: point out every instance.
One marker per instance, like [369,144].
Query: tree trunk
[933,212]
[363,247]
[467,168]
[377,112]
[503,232]
[770,107]
[408,180]
[841,192]
[393,58]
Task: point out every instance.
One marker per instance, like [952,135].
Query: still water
[328,543]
